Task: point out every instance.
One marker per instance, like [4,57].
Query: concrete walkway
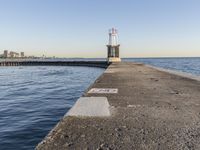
[150,110]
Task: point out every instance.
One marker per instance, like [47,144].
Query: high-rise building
[113,46]
[5,54]
[22,54]
[14,54]
[11,54]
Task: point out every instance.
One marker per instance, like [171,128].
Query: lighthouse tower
[113,46]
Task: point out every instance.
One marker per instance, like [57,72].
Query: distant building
[22,54]
[5,54]
[14,54]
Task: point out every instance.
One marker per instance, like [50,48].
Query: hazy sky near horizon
[79,28]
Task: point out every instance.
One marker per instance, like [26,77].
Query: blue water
[33,99]
[188,65]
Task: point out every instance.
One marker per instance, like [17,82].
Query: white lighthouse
[113,46]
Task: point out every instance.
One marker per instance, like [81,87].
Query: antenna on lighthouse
[113,46]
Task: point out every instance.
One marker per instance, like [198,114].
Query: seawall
[38,62]
[132,106]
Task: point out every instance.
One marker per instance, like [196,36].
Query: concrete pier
[149,109]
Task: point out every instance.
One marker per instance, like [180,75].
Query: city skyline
[80,28]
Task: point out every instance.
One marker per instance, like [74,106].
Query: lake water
[33,99]
[188,65]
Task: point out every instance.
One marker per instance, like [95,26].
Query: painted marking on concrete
[90,107]
[103,90]
[109,71]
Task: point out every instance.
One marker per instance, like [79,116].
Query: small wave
[54,73]
[35,99]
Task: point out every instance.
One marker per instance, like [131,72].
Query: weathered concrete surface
[90,107]
[152,110]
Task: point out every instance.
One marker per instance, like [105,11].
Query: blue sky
[79,28]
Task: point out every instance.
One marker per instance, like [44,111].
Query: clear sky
[79,28]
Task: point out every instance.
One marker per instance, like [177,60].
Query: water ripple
[34,99]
